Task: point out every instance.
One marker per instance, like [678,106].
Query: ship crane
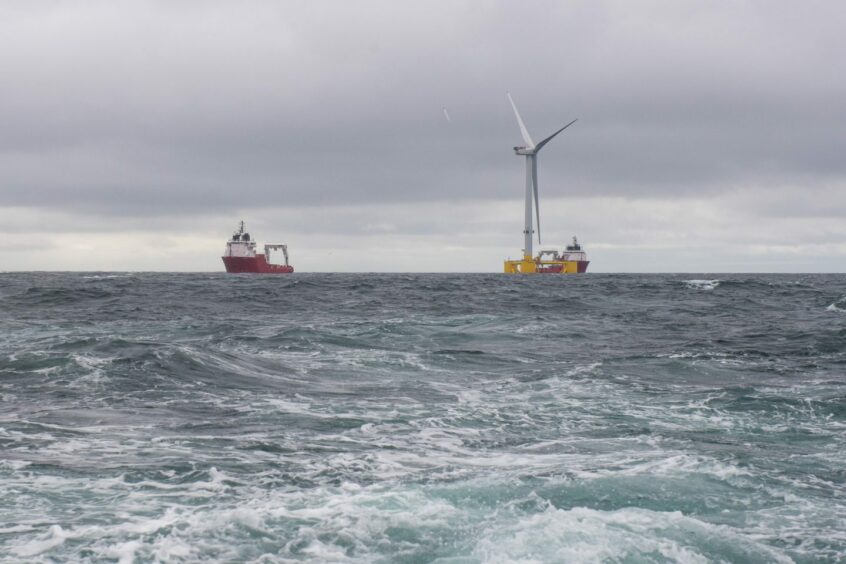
[283,248]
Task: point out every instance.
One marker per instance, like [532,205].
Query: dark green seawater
[422,418]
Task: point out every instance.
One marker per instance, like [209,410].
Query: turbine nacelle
[524,150]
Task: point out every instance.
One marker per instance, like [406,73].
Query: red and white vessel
[573,260]
[240,255]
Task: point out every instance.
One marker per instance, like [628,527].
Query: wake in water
[419,418]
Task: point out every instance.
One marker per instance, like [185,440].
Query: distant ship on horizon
[240,255]
[573,260]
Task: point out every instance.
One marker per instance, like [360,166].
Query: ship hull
[256,265]
[581,268]
[528,266]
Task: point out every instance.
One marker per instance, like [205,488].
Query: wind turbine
[531,151]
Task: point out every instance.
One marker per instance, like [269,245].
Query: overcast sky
[134,135]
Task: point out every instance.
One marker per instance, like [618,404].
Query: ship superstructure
[240,255]
[573,259]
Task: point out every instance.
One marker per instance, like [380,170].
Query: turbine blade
[529,143]
[535,188]
[548,139]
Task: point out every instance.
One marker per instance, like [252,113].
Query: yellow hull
[529,265]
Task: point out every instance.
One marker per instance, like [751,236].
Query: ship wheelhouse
[574,252]
[241,244]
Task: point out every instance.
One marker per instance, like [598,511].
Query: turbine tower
[530,150]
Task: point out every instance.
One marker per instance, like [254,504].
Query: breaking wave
[702,284]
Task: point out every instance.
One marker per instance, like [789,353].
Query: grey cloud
[181,108]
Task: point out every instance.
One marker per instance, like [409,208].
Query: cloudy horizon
[136,135]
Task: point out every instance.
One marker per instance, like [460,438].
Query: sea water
[422,418]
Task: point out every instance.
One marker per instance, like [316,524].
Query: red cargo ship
[240,255]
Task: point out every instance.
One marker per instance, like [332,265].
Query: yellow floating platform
[528,265]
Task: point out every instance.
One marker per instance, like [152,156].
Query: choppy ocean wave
[422,418]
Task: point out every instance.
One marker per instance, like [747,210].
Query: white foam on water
[148,526]
[375,358]
[14,464]
[124,552]
[308,409]
[533,328]
[320,524]
[719,357]
[93,367]
[47,371]
[588,535]
[54,537]
[16,529]
[682,464]
[468,396]
[584,369]
[169,548]
[365,515]
[698,284]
